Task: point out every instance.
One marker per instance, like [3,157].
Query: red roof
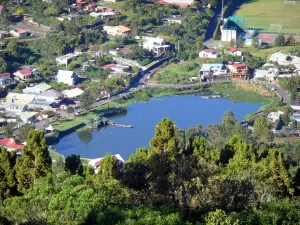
[209,51]
[11,144]
[126,51]
[1,7]
[232,49]
[240,66]
[108,66]
[25,72]
[21,31]
[92,5]
[97,164]
[182,5]
[4,74]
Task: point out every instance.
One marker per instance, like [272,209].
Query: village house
[119,30]
[156,45]
[238,70]
[284,59]
[209,53]
[207,69]
[273,116]
[265,74]
[72,93]
[103,91]
[23,74]
[18,98]
[232,29]
[102,15]
[20,33]
[67,77]
[38,89]
[11,145]
[96,163]
[47,100]
[234,51]
[14,108]
[180,3]
[174,19]
[66,59]
[29,117]
[68,17]
[5,79]
[2,9]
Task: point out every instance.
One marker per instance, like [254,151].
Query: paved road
[285,96]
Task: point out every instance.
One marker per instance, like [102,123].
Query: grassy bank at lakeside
[244,92]
[68,125]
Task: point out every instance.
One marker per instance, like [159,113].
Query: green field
[262,13]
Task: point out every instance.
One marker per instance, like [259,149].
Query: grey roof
[51,93]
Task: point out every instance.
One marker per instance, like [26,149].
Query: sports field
[262,13]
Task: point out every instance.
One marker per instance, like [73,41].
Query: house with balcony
[5,79]
[23,74]
[238,71]
[209,53]
[156,45]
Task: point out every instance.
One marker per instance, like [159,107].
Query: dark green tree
[35,162]
[87,99]
[73,164]
[280,40]
[262,131]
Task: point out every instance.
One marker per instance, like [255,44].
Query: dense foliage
[182,178]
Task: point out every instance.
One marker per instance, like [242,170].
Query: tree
[219,217]
[280,40]
[9,130]
[262,131]
[35,161]
[73,164]
[24,131]
[107,170]
[291,41]
[70,110]
[3,65]
[255,42]
[240,42]
[87,99]
[51,11]
[8,182]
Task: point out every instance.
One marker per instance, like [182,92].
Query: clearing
[261,13]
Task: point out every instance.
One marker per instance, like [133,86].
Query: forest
[218,175]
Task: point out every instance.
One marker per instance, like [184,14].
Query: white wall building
[209,53]
[67,77]
[156,45]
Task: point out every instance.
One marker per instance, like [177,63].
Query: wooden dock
[119,125]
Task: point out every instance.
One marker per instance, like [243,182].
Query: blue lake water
[186,111]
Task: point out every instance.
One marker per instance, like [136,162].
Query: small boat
[205,97]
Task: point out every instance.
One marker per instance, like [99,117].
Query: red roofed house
[117,30]
[234,51]
[19,33]
[180,3]
[96,163]
[2,9]
[108,66]
[81,3]
[239,70]
[11,145]
[208,53]
[23,74]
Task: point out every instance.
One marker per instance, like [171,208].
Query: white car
[220,73]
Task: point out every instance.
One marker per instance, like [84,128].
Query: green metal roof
[235,23]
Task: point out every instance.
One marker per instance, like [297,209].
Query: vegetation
[278,12]
[182,178]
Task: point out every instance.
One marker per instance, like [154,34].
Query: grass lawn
[54,155]
[233,92]
[266,51]
[262,13]
[72,122]
[181,72]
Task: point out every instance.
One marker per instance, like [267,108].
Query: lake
[186,111]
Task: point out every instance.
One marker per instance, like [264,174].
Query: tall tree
[35,162]
[73,164]
[279,40]
[107,170]
[262,130]
[8,182]
[87,99]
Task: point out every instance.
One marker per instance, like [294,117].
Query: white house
[234,51]
[19,33]
[174,19]
[156,45]
[73,93]
[96,163]
[285,59]
[273,116]
[67,77]
[23,74]
[37,89]
[265,74]
[208,53]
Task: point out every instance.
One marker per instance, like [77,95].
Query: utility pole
[222,12]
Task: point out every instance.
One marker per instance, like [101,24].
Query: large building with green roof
[233,27]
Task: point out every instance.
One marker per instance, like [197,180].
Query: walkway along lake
[186,111]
